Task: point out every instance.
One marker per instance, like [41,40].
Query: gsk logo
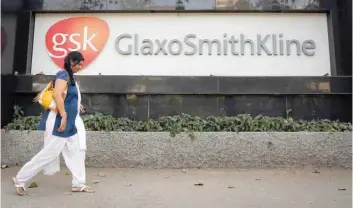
[85,34]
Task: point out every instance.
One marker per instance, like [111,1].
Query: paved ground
[125,188]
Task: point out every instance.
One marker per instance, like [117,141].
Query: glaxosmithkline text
[268,44]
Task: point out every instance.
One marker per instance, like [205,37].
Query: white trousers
[54,145]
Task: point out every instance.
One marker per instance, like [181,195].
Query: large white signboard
[185,44]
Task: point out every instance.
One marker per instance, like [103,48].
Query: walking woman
[63,132]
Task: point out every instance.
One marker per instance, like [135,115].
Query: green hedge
[188,123]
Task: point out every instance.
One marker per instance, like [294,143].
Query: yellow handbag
[46,97]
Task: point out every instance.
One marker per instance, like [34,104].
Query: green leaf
[190,124]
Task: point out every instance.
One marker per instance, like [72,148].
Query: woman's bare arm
[59,90]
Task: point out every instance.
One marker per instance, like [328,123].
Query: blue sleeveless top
[71,107]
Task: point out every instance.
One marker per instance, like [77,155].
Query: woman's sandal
[84,188]
[20,189]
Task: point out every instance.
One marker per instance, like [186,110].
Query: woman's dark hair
[76,57]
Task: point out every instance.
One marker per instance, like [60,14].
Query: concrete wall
[205,150]
[142,98]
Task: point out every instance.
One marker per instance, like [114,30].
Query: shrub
[187,123]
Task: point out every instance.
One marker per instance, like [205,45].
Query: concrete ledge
[206,150]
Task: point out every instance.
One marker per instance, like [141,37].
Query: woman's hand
[82,109]
[63,123]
